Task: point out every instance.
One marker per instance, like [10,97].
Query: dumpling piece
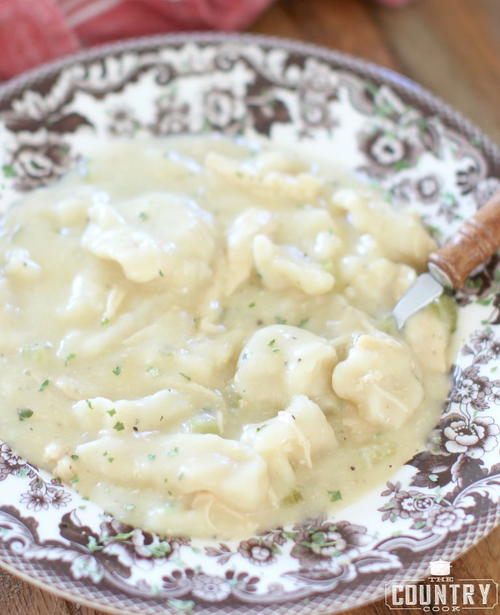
[289,440]
[165,410]
[201,359]
[400,234]
[72,210]
[281,361]
[19,264]
[284,267]
[251,222]
[176,239]
[184,464]
[379,377]
[109,236]
[312,230]
[89,297]
[374,284]
[327,246]
[268,174]
[300,227]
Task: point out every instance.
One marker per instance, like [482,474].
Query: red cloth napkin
[35,31]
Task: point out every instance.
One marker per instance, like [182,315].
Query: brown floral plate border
[378,123]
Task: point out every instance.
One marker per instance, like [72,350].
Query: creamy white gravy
[196,335]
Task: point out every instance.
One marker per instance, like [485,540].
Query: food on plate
[196,335]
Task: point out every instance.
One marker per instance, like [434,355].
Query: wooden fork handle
[475,241]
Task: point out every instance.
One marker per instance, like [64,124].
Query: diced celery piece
[37,353]
[447,310]
[387,324]
[377,452]
[204,422]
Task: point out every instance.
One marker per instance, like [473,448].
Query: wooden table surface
[452,47]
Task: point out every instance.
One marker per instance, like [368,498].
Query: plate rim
[421,98]
[352,62]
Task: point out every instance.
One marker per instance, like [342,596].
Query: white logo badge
[440,568]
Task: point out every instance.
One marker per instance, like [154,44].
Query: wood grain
[449,46]
[452,48]
[473,244]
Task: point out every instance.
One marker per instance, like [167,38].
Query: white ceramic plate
[442,501]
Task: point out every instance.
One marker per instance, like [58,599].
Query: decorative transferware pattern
[443,500]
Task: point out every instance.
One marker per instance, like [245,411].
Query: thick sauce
[195,335]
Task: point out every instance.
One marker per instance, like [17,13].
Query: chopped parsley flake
[122,536]
[75,457]
[271,343]
[484,301]
[280,321]
[143,216]
[160,549]
[8,170]
[188,378]
[44,385]
[117,370]
[303,322]
[400,165]
[160,273]
[104,321]
[261,427]
[276,349]
[334,496]
[93,545]
[74,479]
[24,413]
[151,457]
[69,358]
[112,412]
[251,305]
[119,426]
[173,451]
[111,459]
[89,404]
